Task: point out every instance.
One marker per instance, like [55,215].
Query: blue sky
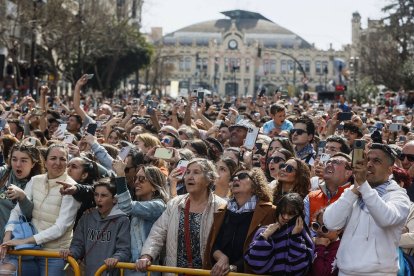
[319,21]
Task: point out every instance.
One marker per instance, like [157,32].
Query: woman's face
[76,169]
[276,159]
[22,164]
[242,184]
[195,180]
[274,146]
[288,173]
[223,172]
[286,216]
[56,162]
[104,200]
[143,188]
[113,138]
[167,141]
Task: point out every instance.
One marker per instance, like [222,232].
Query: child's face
[331,235]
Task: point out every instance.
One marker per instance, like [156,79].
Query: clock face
[233,44]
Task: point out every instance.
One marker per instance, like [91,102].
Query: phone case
[124,152]
[251,137]
[163,153]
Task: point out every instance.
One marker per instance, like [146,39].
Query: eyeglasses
[275,159]
[141,178]
[241,176]
[298,131]
[410,157]
[336,162]
[316,226]
[288,168]
[166,140]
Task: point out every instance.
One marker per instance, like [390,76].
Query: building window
[324,65]
[283,66]
[181,65]
[273,66]
[266,66]
[318,67]
[231,63]
[247,67]
[307,66]
[290,66]
[187,64]
[205,64]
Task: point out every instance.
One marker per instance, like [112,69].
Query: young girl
[102,236]
[326,246]
[284,247]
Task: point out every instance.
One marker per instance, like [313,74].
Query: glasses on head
[275,159]
[241,176]
[298,131]
[337,162]
[288,168]
[316,226]
[410,157]
[141,178]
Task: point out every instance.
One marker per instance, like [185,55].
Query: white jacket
[165,229]
[371,236]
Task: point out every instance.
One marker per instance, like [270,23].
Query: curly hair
[260,186]
[301,184]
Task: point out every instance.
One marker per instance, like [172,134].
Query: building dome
[253,26]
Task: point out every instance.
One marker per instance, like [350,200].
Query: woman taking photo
[235,224]
[185,225]
[151,202]
[53,215]
[25,162]
[293,177]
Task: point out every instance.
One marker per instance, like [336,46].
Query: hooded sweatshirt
[97,239]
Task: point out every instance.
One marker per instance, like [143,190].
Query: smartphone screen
[395,127]
[163,153]
[62,128]
[321,147]
[3,123]
[123,153]
[251,137]
[358,151]
[69,139]
[92,129]
[182,167]
[200,97]
[218,123]
[227,105]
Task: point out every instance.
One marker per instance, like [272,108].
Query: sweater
[324,263]
[97,239]
[283,253]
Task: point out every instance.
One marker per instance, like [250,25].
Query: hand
[129,111]
[82,81]
[322,241]
[143,263]
[119,167]
[44,89]
[360,172]
[298,226]
[222,267]
[13,243]
[73,150]
[111,262]
[271,228]
[15,193]
[90,139]
[65,253]
[58,135]
[67,188]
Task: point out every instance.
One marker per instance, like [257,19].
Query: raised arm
[76,96]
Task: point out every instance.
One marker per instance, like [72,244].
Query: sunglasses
[141,178]
[316,226]
[298,131]
[288,168]
[275,159]
[166,140]
[241,176]
[410,157]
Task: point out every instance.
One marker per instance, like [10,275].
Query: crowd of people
[270,185]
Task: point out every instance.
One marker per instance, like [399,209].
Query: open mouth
[236,185]
[19,171]
[99,206]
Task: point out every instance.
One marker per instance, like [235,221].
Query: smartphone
[200,97]
[163,153]
[358,151]
[62,128]
[89,76]
[395,127]
[194,93]
[182,167]
[3,123]
[123,153]
[92,128]
[239,118]
[400,118]
[7,108]
[321,148]
[135,101]
[218,123]
[226,105]
[324,157]
[141,121]
[251,137]
[37,112]
[402,138]
[344,116]
[69,139]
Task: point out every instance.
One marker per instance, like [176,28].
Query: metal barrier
[47,255]
[165,269]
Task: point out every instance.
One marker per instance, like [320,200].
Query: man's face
[130,171]
[378,168]
[53,126]
[408,149]
[303,138]
[73,124]
[224,134]
[337,171]
[332,147]
[237,136]
[279,118]
[350,136]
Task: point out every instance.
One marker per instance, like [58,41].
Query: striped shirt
[282,254]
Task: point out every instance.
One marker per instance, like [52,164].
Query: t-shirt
[270,125]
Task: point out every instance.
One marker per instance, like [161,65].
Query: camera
[376,136]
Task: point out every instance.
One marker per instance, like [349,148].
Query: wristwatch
[233,268]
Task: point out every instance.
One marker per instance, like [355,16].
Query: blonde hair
[149,140]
